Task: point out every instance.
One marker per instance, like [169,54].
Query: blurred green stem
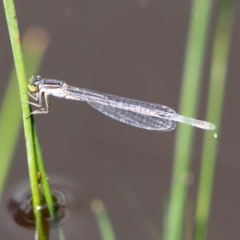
[10,124]
[103,220]
[193,68]
[216,96]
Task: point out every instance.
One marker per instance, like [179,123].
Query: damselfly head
[33,84]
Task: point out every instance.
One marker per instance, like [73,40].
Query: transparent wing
[136,113]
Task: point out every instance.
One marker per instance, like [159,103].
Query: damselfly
[136,113]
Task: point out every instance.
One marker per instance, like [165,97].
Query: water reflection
[20,204]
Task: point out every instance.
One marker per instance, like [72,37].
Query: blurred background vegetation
[121,48]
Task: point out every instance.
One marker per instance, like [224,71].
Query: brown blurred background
[133,49]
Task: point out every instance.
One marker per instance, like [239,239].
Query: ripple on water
[20,204]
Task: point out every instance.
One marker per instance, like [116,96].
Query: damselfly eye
[34,80]
[33,84]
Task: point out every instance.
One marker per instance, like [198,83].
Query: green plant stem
[9,130]
[10,112]
[215,106]
[193,66]
[11,18]
[46,188]
[103,220]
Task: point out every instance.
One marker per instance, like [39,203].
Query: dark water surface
[133,49]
